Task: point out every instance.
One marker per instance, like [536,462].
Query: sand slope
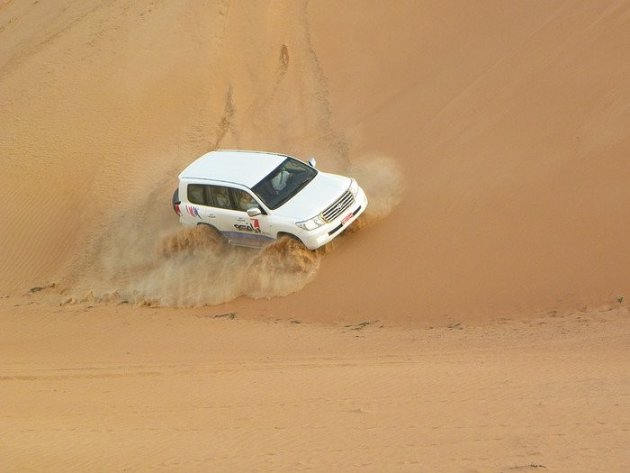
[509,125]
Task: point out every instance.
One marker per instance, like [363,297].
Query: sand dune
[492,140]
[509,126]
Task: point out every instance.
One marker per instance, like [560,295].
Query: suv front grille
[332,212]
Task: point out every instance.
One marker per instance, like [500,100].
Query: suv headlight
[311,223]
[354,187]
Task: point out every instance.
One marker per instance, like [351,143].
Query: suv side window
[218,196]
[196,194]
[242,200]
[221,197]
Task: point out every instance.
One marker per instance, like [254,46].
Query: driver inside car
[279,181]
[246,201]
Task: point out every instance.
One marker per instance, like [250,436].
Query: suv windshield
[284,182]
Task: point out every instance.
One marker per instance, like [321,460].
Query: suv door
[228,213]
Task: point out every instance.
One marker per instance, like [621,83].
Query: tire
[191,240]
[214,236]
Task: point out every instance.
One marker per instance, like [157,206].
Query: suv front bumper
[318,237]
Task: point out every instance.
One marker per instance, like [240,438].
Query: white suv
[253,198]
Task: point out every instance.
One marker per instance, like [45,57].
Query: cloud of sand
[383,182]
[193,267]
[139,262]
[189,267]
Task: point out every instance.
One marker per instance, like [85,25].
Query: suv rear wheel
[214,236]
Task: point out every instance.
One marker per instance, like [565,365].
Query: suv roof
[242,167]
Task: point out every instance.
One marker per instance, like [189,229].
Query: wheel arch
[289,235]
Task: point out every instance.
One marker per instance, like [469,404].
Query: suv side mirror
[312,162]
[253,212]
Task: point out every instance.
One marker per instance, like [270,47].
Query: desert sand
[477,318]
